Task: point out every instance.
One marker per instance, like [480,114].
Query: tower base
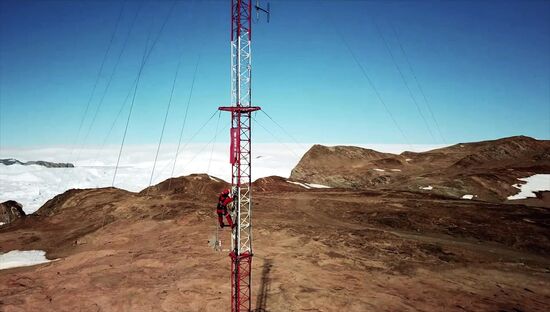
[240,281]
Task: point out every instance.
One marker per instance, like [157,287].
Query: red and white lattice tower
[240,153]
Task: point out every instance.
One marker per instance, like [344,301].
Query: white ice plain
[534,183]
[33,185]
[18,258]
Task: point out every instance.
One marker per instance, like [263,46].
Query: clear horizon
[33,185]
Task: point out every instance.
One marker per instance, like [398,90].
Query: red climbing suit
[221,210]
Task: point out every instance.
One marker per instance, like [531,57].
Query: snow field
[18,258]
[534,183]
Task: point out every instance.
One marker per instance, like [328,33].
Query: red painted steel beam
[239,109]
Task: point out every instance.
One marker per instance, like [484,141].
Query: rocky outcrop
[338,166]
[47,164]
[10,211]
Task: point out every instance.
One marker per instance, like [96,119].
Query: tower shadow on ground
[265,285]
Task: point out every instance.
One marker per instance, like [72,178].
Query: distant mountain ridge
[47,164]
[485,170]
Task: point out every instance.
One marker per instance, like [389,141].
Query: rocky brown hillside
[194,185]
[314,249]
[486,170]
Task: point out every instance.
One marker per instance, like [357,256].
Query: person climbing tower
[223,200]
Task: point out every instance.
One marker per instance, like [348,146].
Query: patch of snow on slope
[300,184]
[396,170]
[379,170]
[427,188]
[468,196]
[313,185]
[2,223]
[17,258]
[534,183]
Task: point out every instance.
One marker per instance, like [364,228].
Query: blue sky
[484,67]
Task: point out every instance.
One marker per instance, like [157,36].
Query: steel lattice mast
[240,154]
